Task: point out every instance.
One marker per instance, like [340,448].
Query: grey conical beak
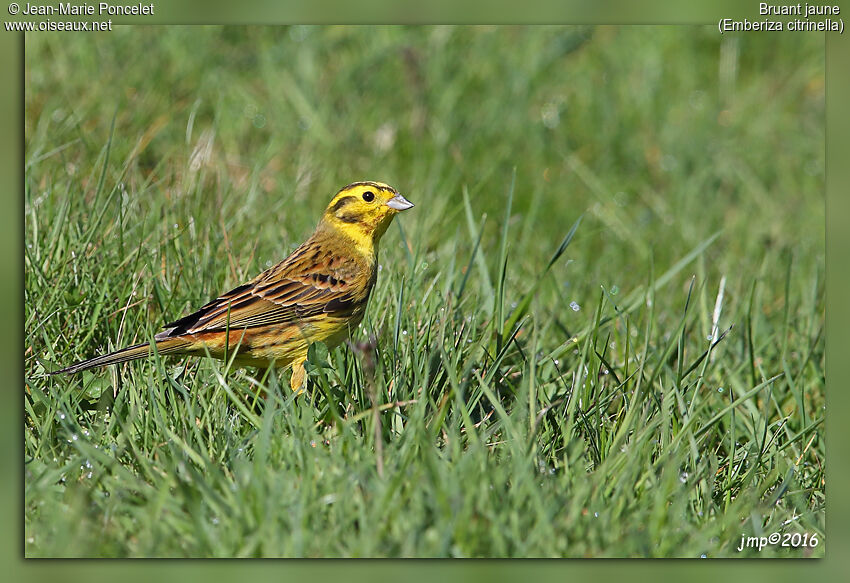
[399,203]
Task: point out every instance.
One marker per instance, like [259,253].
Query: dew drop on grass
[719,389]
[404,332]
[595,515]
[615,290]
[683,477]
[550,116]
[574,305]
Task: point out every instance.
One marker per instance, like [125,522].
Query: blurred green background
[662,135]
[196,156]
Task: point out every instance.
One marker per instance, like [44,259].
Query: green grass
[599,333]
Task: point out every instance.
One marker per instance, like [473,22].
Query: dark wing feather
[277,296]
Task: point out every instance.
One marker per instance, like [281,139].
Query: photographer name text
[100,9]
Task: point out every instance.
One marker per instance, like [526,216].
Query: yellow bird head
[363,211]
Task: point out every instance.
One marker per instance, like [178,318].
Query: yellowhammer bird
[318,293]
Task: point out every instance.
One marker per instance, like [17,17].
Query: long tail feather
[130,353]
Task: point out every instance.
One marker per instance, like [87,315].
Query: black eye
[368,196]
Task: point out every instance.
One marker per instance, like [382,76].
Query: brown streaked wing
[284,302]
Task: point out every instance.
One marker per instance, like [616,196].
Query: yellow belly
[266,346]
